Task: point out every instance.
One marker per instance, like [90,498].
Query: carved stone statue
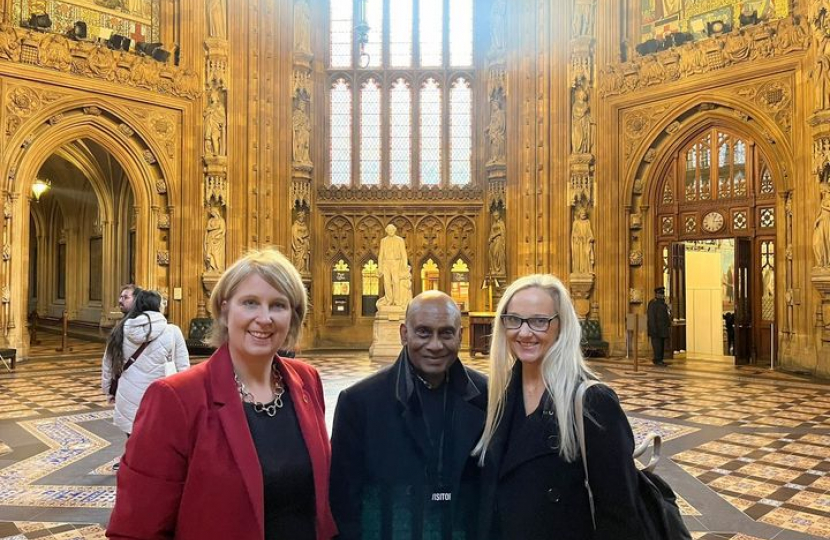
[215,242]
[300,243]
[302,27]
[497,26]
[821,75]
[302,133]
[582,244]
[821,234]
[580,123]
[496,243]
[215,119]
[217,19]
[496,131]
[393,268]
[583,18]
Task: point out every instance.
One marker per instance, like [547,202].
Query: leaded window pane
[461,35]
[400,34]
[341,133]
[461,132]
[400,134]
[341,33]
[374,18]
[370,133]
[431,32]
[430,133]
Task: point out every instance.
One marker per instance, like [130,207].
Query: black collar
[459,381]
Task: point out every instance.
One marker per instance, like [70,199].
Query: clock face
[712,222]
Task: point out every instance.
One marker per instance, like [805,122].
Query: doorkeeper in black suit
[402,438]
[659,324]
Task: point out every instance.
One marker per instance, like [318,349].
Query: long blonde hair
[563,366]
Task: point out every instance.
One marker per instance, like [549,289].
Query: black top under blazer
[380,486]
[530,493]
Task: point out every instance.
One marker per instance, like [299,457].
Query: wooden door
[764,297]
[744,343]
[677,300]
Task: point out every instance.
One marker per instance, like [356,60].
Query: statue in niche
[496,131]
[583,18]
[821,73]
[215,241]
[301,243]
[497,26]
[302,133]
[302,27]
[821,234]
[217,19]
[393,269]
[580,123]
[496,242]
[215,119]
[582,244]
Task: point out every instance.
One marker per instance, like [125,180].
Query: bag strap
[579,416]
[135,356]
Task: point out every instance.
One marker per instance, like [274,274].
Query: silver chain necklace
[272,406]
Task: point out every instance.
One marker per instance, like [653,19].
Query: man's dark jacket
[380,486]
[659,320]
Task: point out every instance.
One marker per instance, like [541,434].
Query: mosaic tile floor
[748,452]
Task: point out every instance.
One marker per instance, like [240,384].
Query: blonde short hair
[273,267]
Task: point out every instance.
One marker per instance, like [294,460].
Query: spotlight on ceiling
[38,21]
[117,41]
[716,28]
[78,31]
[145,48]
[747,18]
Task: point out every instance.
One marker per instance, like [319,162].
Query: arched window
[704,182]
[401,104]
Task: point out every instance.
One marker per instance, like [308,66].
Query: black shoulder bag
[656,495]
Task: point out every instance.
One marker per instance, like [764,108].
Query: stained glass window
[431,32]
[461,37]
[401,125]
[400,133]
[400,35]
[374,18]
[461,132]
[430,133]
[370,133]
[341,33]
[341,133]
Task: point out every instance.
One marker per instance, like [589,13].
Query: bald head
[434,300]
[432,335]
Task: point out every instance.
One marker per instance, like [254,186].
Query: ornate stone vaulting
[588,124]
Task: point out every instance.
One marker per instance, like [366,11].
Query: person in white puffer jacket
[165,343]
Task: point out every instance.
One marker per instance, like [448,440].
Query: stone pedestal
[581,285]
[386,336]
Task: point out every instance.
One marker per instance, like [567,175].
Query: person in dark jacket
[402,438]
[533,481]
[659,324]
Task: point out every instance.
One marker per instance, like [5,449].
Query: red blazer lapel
[232,416]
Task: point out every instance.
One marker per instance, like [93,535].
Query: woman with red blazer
[237,446]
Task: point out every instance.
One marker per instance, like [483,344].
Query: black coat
[380,486]
[659,320]
[530,493]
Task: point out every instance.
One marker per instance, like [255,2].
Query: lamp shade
[39,187]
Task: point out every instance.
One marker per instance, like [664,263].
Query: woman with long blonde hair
[533,483]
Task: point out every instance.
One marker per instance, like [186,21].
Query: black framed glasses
[537,324]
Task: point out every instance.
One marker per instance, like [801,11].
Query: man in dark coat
[401,441]
[659,324]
